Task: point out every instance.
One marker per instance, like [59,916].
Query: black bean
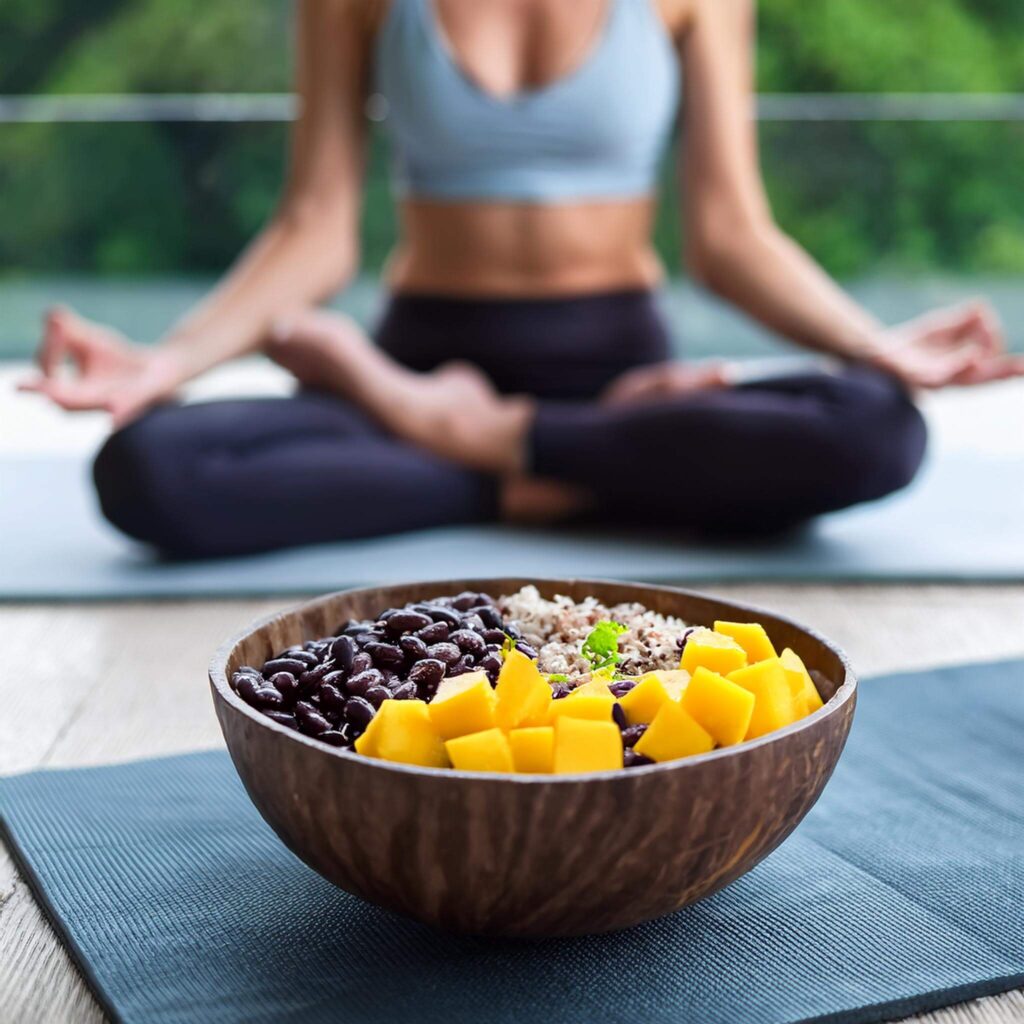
[385,654]
[468,642]
[631,759]
[335,678]
[354,628]
[407,621]
[331,698]
[414,647]
[429,671]
[244,673]
[464,601]
[494,636]
[319,648]
[287,685]
[307,657]
[681,641]
[387,613]
[292,665]
[343,651]
[448,653]
[334,738]
[357,685]
[309,680]
[526,649]
[473,622]
[560,690]
[249,688]
[359,712]
[619,716]
[407,691]
[465,664]
[622,686]
[632,733]
[434,634]
[360,663]
[283,718]
[512,630]
[376,695]
[491,664]
[374,636]
[310,720]
[439,614]
[489,614]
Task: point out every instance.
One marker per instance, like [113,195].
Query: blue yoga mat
[903,890]
[960,521]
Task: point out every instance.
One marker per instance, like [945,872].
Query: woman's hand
[957,346]
[110,373]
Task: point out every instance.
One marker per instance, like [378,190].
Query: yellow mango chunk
[674,680]
[673,734]
[583,745]
[593,688]
[773,699]
[585,706]
[715,651]
[523,694]
[722,707]
[486,751]
[463,704]
[644,701]
[751,637]
[533,749]
[805,694]
[406,733]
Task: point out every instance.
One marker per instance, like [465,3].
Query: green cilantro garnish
[558,677]
[601,647]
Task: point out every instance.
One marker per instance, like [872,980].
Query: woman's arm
[735,248]
[308,250]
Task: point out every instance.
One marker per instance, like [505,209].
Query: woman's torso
[526,138]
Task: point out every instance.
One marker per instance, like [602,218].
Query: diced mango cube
[463,704]
[522,693]
[715,651]
[406,733]
[533,749]
[674,733]
[644,701]
[586,706]
[675,680]
[751,637]
[773,698]
[805,694]
[722,707]
[583,745]
[486,751]
[596,687]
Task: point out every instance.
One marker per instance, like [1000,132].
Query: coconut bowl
[532,855]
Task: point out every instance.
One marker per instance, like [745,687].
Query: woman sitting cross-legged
[521,369]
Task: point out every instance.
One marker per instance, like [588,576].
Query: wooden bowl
[531,855]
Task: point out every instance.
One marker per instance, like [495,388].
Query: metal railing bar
[282,107]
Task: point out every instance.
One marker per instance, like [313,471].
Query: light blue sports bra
[597,132]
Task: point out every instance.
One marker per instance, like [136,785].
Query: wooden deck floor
[114,682]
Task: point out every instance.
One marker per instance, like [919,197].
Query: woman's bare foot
[453,411]
[664,379]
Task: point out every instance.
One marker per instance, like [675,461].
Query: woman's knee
[136,475]
[881,436]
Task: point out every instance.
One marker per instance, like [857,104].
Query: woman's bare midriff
[524,250]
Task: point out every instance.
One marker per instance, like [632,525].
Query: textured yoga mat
[903,890]
[960,521]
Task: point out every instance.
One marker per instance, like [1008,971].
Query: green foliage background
[136,198]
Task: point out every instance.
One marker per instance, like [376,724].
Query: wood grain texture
[531,855]
[98,658]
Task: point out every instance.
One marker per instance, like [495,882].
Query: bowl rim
[845,692]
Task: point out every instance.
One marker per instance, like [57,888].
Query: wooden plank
[98,683]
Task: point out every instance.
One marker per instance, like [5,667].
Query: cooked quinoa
[556,629]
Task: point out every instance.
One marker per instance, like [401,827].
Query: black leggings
[239,476]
